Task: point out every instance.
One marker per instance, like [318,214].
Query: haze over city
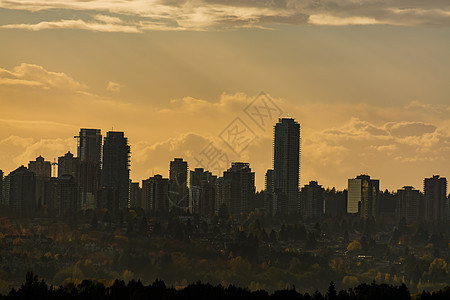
[198,149]
[367,83]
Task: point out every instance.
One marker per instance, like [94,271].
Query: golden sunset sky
[369,82]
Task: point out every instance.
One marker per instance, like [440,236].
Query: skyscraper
[43,171]
[178,191]
[435,196]
[312,201]
[155,194]
[68,165]
[408,204]
[89,155]
[202,192]
[20,190]
[268,195]
[135,195]
[67,193]
[116,163]
[236,189]
[286,165]
[362,196]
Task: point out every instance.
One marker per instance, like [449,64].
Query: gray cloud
[405,129]
[207,14]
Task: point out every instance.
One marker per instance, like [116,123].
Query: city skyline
[176,166]
[367,83]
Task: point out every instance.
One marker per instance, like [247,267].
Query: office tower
[68,165]
[20,190]
[286,165]
[89,155]
[116,163]
[135,195]
[312,201]
[408,204]
[236,189]
[68,194]
[43,171]
[178,191]
[362,196]
[155,194]
[202,192]
[435,195]
[269,190]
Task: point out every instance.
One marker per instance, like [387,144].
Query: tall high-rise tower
[286,165]
[435,192]
[89,154]
[363,196]
[116,163]
[178,191]
[236,189]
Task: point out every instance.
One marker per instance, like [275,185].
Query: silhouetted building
[68,194]
[43,171]
[202,191]
[155,194]
[386,204]
[435,197]
[89,154]
[135,195]
[335,202]
[236,188]
[51,201]
[20,190]
[362,196]
[269,191]
[311,201]
[116,163]
[108,199]
[178,191]
[286,165]
[68,165]
[408,204]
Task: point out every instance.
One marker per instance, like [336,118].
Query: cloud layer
[142,15]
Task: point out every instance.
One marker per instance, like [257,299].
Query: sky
[367,80]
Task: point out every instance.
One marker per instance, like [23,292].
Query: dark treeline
[87,289]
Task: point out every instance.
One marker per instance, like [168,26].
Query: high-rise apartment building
[202,192]
[68,165]
[155,194]
[408,204]
[68,195]
[286,165]
[89,155]
[135,195]
[312,201]
[20,190]
[435,197]
[236,189]
[43,171]
[116,166]
[269,192]
[178,191]
[362,196]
